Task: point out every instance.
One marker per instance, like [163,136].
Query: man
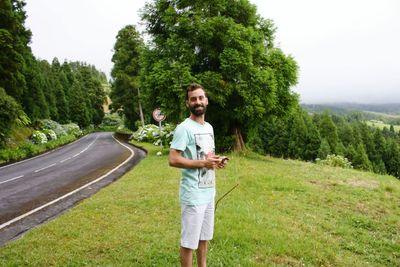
[192,150]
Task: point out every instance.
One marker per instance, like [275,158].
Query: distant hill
[392,108]
[388,113]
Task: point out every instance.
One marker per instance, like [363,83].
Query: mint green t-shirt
[196,141]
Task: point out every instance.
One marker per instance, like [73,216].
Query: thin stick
[216,204]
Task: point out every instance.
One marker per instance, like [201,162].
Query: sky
[347,50]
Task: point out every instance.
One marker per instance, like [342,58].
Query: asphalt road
[29,184]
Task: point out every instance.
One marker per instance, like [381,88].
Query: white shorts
[197,223]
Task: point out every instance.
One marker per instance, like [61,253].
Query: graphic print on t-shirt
[205,149]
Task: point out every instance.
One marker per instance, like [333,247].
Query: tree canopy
[229,49]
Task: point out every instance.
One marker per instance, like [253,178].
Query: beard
[198,112]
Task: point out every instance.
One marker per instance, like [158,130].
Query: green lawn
[284,213]
[381,125]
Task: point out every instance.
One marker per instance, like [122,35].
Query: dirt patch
[368,184]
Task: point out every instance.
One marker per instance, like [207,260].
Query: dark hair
[192,87]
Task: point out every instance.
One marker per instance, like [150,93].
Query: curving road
[29,184]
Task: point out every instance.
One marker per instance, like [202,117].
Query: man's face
[197,102]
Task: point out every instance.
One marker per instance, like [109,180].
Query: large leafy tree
[125,74]
[229,49]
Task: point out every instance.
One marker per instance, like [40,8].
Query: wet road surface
[27,185]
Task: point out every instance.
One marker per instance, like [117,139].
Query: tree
[14,50]
[229,49]
[78,106]
[392,158]
[125,74]
[324,149]
[93,92]
[10,113]
[360,160]
[59,91]
[328,131]
[313,139]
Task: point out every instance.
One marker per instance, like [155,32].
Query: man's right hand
[211,162]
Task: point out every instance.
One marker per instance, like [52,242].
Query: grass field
[381,125]
[284,213]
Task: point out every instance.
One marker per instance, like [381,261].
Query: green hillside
[284,213]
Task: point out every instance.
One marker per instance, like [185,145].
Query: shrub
[53,125]
[39,138]
[111,120]
[335,161]
[50,134]
[151,134]
[72,128]
[29,149]
[9,154]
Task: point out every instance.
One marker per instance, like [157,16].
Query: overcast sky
[347,50]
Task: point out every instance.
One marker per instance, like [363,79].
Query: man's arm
[177,160]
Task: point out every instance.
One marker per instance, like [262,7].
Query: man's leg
[202,253]
[186,257]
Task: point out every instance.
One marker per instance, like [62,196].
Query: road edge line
[16,219]
[45,153]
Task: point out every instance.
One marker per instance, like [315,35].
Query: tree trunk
[140,108]
[239,143]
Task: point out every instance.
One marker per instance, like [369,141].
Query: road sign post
[159,116]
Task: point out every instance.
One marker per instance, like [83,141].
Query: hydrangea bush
[50,134]
[335,161]
[72,128]
[39,137]
[53,125]
[151,133]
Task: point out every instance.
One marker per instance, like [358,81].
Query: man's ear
[187,103]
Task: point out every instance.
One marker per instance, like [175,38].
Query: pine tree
[14,50]
[324,149]
[313,139]
[328,131]
[297,136]
[392,158]
[360,160]
[125,73]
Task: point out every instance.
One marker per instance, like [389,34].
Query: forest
[33,89]
[223,45]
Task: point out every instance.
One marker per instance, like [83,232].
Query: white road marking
[51,165]
[9,180]
[70,193]
[64,160]
[12,179]
[12,164]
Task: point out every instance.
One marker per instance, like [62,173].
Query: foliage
[125,74]
[50,134]
[151,133]
[72,91]
[111,120]
[227,48]
[10,113]
[335,161]
[39,137]
[72,129]
[52,125]
[14,50]
[29,149]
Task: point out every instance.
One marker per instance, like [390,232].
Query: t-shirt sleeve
[180,139]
